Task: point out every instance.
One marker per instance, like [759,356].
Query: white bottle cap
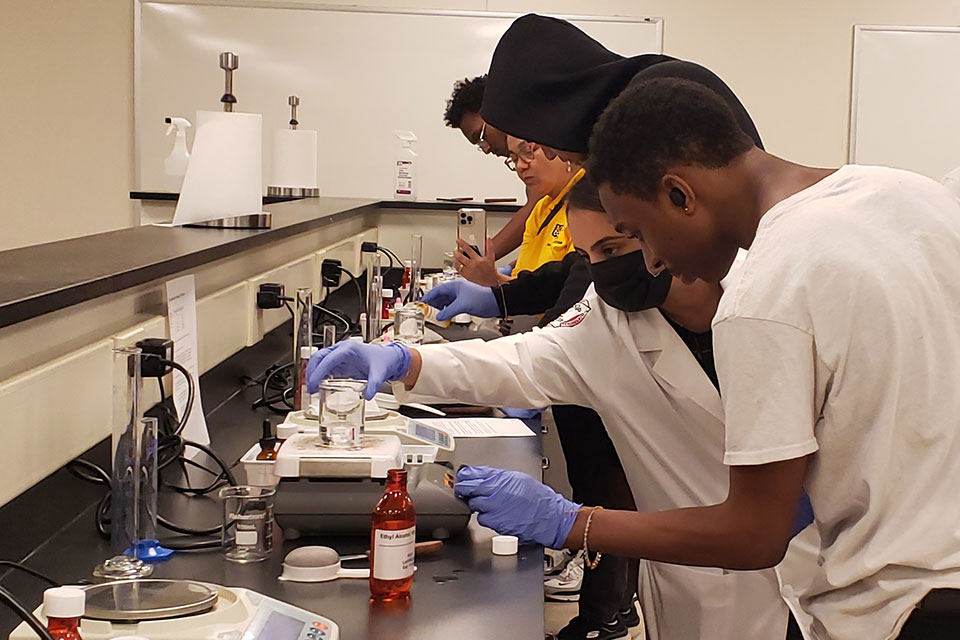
[64,602]
[306,352]
[387,293]
[285,431]
[505,545]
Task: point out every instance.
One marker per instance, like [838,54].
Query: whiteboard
[360,74]
[905,100]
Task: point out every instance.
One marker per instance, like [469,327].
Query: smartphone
[472,228]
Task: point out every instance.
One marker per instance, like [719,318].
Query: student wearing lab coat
[656,399]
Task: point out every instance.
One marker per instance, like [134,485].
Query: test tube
[374,320]
[329,335]
[416,264]
[371,265]
[302,340]
[127,386]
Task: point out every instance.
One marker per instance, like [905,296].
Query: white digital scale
[186,610]
[332,490]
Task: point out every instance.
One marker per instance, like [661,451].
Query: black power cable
[33,572]
[170,449]
[25,614]
[356,283]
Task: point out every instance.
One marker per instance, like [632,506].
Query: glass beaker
[408,324]
[247,523]
[341,412]
[449,267]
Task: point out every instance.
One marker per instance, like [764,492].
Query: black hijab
[549,82]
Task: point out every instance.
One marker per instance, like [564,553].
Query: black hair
[584,195]
[467,97]
[658,124]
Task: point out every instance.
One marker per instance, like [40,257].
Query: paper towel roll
[294,159]
[224,176]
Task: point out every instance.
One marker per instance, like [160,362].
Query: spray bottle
[175,166]
[405,182]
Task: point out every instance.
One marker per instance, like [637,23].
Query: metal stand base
[123,568]
[252,221]
[294,192]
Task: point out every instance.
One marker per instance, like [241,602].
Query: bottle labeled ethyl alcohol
[392,538]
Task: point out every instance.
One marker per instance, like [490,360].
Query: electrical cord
[390,251]
[356,284]
[25,614]
[33,572]
[387,253]
[170,448]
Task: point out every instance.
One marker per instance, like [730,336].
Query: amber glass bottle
[392,538]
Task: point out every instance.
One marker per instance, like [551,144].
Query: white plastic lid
[387,293]
[285,431]
[505,545]
[306,352]
[64,602]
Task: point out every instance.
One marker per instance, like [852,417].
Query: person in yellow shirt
[545,236]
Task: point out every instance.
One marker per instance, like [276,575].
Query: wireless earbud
[678,198]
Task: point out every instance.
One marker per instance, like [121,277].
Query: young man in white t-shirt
[838,353]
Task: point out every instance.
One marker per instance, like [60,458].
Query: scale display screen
[430,434]
[281,627]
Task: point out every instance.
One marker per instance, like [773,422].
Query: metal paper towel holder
[294,192]
[264,220]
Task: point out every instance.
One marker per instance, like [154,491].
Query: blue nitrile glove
[375,363]
[513,503]
[505,270]
[462,296]
[522,414]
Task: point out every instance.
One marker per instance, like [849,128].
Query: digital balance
[332,490]
[186,610]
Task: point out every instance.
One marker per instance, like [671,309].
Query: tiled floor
[557,614]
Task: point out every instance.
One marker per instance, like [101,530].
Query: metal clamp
[544,462]
[229,63]
[294,102]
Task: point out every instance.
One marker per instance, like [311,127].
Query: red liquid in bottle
[64,628]
[392,538]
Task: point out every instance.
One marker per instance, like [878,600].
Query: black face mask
[624,283]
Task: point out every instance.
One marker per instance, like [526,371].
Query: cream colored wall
[66,108]
[66,354]
[66,69]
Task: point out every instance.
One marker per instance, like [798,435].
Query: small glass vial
[63,607]
[392,539]
[408,324]
[386,301]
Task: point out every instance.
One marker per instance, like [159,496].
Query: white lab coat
[665,418]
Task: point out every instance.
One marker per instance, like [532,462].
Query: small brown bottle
[392,539]
[268,443]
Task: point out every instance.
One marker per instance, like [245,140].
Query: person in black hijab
[549,82]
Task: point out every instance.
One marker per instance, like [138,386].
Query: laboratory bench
[463,591]
[43,278]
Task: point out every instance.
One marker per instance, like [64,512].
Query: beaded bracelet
[590,564]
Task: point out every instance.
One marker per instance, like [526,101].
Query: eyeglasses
[483,146]
[525,152]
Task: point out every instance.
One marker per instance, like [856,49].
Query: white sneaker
[565,587]
[555,560]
